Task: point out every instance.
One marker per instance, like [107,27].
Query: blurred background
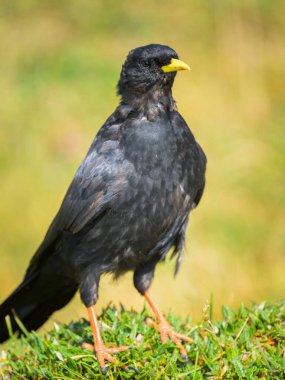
[59,66]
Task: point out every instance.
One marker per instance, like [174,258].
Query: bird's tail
[35,299]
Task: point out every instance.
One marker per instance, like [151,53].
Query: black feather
[128,203]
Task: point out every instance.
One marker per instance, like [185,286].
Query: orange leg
[166,330]
[103,353]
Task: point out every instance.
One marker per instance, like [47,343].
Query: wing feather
[101,177]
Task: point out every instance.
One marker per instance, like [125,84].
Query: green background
[59,65]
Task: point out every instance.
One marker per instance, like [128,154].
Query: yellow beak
[175,65]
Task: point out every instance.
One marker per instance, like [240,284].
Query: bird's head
[149,67]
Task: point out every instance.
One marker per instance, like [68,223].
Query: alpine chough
[127,206]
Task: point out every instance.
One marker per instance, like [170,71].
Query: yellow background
[60,62]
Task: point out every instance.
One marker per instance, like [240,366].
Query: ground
[244,344]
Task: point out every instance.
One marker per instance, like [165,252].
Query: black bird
[127,206]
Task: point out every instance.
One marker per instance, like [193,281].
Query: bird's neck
[151,103]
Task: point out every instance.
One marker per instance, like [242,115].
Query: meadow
[60,62]
[247,344]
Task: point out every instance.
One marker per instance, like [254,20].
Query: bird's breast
[148,212]
[150,146]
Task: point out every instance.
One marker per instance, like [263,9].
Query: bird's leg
[166,330]
[103,353]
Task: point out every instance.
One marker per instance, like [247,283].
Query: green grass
[247,344]
[60,63]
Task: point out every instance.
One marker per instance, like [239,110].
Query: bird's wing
[100,179]
[95,187]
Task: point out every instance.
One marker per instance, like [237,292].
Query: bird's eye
[145,63]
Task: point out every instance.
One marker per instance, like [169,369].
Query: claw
[166,331]
[103,353]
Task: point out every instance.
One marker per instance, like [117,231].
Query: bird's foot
[104,353]
[166,330]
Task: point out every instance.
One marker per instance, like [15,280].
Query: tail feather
[35,299]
